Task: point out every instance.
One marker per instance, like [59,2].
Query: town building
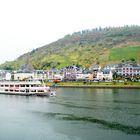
[40,75]
[24,73]
[128,70]
[5,75]
[69,74]
[104,75]
[94,70]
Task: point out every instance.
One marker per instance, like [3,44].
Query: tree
[123,60]
[115,75]
[133,60]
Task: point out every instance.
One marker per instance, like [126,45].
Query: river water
[74,114]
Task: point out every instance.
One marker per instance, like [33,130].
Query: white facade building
[22,76]
[5,75]
[106,75]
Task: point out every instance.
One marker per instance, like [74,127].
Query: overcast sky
[29,24]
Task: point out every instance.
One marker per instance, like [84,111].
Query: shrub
[125,83]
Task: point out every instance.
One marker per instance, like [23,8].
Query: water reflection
[106,124]
[77,114]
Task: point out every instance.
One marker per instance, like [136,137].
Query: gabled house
[90,77]
[24,73]
[54,74]
[40,75]
[94,69]
[72,73]
[105,75]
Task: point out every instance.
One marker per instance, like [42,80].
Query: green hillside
[125,53]
[85,48]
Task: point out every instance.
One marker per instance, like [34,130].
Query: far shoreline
[87,86]
[128,85]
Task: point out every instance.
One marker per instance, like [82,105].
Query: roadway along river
[74,114]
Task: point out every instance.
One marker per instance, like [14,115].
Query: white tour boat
[25,88]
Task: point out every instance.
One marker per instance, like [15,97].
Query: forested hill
[85,48]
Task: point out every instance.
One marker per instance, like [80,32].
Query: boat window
[2,85]
[22,90]
[27,85]
[34,85]
[16,90]
[6,89]
[16,85]
[33,90]
[22,85]
[11,85]
[6,85]
[40,90]
[11,90]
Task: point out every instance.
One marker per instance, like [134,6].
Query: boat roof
[20,82]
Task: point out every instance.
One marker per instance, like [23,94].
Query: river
[74,114]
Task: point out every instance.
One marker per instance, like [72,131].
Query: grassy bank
[98,84]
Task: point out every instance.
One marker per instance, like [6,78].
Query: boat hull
[24,88]
[14,93]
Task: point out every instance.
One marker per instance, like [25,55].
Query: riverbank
[86,86]
[97,84]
